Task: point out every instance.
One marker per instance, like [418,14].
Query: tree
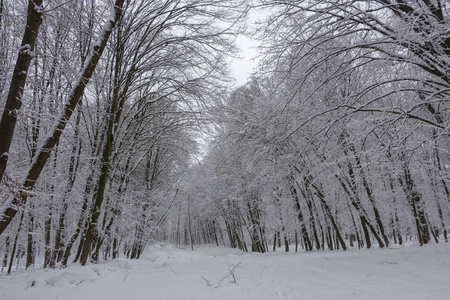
[17,84]
[170,49]
[42,155]
[323,52]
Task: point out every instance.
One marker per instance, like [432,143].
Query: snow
[168,272]
[25,47]
[39,9]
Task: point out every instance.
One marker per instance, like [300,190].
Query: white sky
[243,67]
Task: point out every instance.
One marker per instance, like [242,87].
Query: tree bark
[30,241]
[369,193]
[14,98]
[305,235]
[328,212]
[307,194]
[5,256]
[356,203]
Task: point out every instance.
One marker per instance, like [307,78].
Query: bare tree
[17,85]
[53,136]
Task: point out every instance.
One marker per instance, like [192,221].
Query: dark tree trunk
[58,252]
[115,250]
[296,241]
[14,98]
[308,196]
[305,235]
[81,221]
[369,193]
[274,241]
[355,201]
[5,256]
[415,201]
[48,249]
[328,213]
[286,243]
[30,241]
[365,231]
[13,251]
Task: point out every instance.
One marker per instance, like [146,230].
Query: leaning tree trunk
[305,235]
[414,199]
[356,203]
[54,135]
[320,194]
[369,193]
[307,194]
[118,97]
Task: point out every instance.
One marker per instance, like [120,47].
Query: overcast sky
[242,68]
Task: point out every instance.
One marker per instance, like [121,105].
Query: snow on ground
[168,272]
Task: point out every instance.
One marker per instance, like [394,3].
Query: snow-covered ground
[168,272]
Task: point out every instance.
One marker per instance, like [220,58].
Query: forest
[120,127]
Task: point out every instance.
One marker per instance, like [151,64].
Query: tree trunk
[305,235]
[415,201]
[13,251]
[73,167]
[307,195]
[5,256]
[320,195]
[81,221]
[30,241]
[356,203]
[191,238]
[369,193]
[274,241]
[296,241]
[14,98]
[92,230]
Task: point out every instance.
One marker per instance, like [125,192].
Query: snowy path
[171,273]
